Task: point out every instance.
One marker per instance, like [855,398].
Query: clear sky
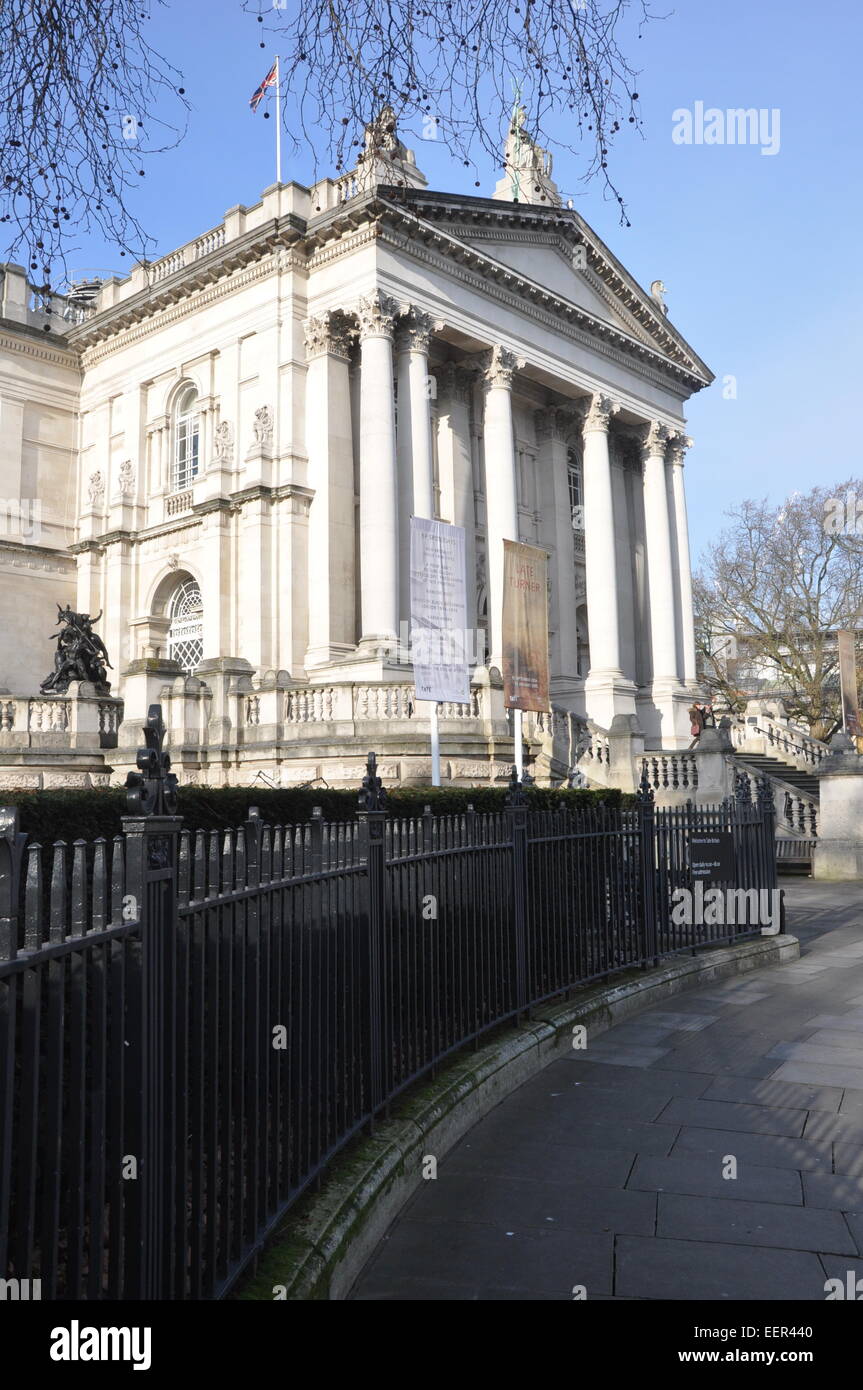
[759,253]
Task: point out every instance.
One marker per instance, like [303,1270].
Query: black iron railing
[192,1024]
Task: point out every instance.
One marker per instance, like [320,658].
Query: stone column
[553,428]
[676,451]
[659,567]
[415,460]
[379,536]
[501,492]
[331,474]
[839,848]
[665,725]
[456,469]
[606,692]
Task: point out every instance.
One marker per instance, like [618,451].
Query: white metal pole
[516,734]
[435,746]
[278,122]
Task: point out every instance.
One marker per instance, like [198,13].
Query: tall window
[186,430]
[576,502]
[186,633]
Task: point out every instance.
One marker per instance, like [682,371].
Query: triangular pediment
[555,250]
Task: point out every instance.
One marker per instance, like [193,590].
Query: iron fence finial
[373,796]
[645,790]
[152,790]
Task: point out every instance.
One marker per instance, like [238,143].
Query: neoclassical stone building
[227,447]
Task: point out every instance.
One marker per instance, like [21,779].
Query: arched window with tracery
[186,632]
[186,439]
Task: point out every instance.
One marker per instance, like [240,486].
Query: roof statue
[527,177]
[658,292]
[385,158]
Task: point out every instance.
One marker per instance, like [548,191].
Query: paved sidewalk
[606,1170]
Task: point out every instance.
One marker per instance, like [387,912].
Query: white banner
[439,641]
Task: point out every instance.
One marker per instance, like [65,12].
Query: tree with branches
[452,69]
[775,588]
[85,100]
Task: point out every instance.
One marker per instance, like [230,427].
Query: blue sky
[759,253]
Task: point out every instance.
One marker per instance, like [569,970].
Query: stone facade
[229,444]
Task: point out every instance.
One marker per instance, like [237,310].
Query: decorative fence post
[646,825]
[149,1146]
[516,806]
[12,843]
[372,814]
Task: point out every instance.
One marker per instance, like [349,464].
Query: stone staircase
[784,772]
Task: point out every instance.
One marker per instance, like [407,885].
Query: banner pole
[278,121]
[435,746]
[516,735]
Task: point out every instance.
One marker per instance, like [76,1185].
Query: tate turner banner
[438,611]
[525,627]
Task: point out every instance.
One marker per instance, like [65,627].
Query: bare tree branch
[83,102]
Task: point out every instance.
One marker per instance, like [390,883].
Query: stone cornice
[274,243]
[17,337]
[193,519]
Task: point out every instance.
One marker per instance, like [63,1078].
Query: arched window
[186,633]
[186,433]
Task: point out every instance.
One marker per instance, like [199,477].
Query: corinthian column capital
[501,366]
[677,447]
[555,424]
[328,333]
[376,314]
[599,413]
[655,439]
[415,330]
[454,383]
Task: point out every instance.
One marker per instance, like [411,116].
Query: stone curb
[324,1244]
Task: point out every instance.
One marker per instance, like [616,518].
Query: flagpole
[278,122]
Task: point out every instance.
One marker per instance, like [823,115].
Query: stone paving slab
[520,1203]
[692,1269]
[753,1223]
[729,1114]
[783,1094]
[767,1150]
[702,1175]
[606,1169]
[822,1073]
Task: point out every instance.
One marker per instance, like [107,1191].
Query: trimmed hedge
[85,815]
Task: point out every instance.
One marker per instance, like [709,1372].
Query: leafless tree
[778,584]
[451,70]
[83,100]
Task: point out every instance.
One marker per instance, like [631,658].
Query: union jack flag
[269,81]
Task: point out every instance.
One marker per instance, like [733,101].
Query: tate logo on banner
[525,627]
[438,611]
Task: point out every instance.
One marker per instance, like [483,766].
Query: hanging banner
[848,684]
[439,611]
[525,627]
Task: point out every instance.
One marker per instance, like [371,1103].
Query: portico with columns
[263,411]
